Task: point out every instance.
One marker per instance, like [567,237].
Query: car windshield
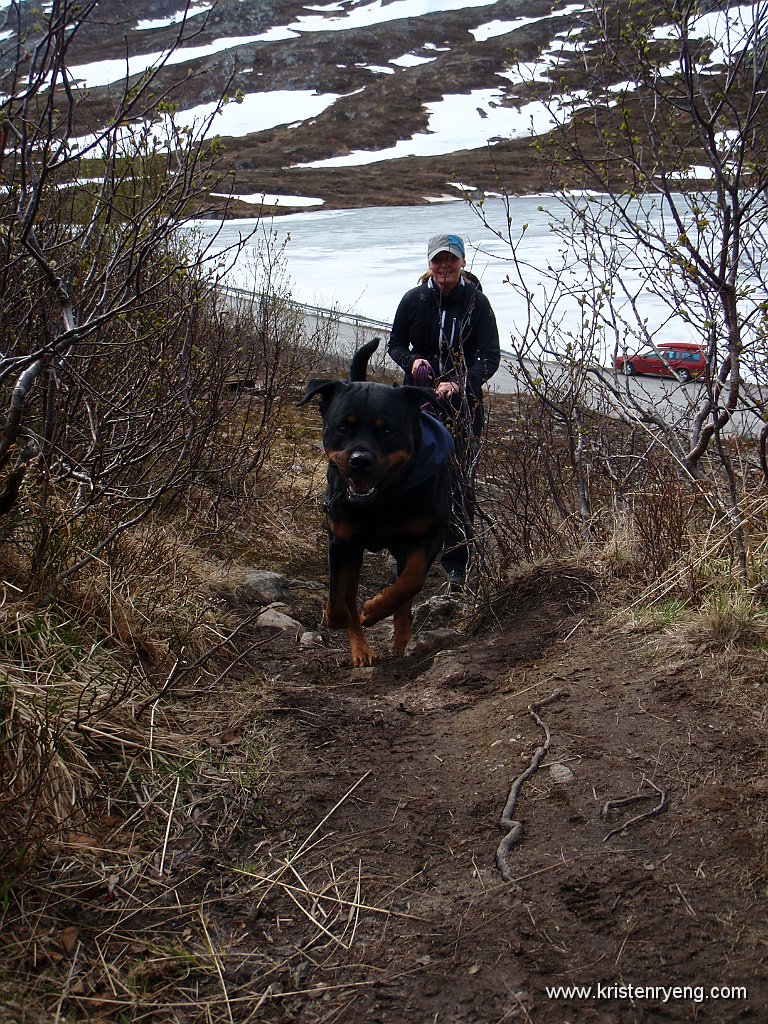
[671,353]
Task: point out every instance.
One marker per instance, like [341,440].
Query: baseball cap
[445,243]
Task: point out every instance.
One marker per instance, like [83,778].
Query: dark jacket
[457,333]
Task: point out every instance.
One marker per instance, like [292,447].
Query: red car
[686,359]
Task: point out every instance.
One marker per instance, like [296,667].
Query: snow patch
[267,199]
[458,122]
[410,60]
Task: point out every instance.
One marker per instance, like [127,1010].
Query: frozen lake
[363,261]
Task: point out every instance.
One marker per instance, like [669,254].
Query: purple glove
[422,375]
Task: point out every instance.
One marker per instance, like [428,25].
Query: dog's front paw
[401,640]
[362,654]
[373,611]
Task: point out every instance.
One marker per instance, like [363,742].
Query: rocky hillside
[352,103]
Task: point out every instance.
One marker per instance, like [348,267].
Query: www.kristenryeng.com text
[649,993]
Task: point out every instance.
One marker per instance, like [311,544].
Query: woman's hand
[447,388]
[421,373]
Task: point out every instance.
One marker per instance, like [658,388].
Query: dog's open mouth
[360,490]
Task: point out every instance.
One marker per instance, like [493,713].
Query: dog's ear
[325,388]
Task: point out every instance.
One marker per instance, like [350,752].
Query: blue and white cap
[445,243]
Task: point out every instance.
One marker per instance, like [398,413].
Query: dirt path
[385,903]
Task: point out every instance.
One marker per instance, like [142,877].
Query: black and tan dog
[388,487]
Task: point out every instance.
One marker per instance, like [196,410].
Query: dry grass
[154,949]
[127,762]
[728,619]
[140,799]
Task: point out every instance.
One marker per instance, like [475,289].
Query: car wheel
[629,369]
[684,377]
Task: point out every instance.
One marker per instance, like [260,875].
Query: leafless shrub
[665,521]
[554,483]
[526,494]
[139,409]
[660,166]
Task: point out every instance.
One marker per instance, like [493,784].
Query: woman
[444,335]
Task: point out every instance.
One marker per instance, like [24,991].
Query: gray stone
[434,640]
[270,586]
[310,639]
[275,619]
[560,773]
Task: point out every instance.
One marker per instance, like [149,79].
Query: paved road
[616,394]
[674,402]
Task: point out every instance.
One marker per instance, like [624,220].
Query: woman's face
[446,270]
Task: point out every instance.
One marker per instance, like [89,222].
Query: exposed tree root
[611,805]
[515,828]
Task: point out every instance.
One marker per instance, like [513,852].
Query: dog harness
[435,450]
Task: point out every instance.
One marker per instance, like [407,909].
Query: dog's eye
[386,431]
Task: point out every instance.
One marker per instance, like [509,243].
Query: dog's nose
[361,461]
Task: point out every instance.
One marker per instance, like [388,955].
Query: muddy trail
[376,891]
[362,872]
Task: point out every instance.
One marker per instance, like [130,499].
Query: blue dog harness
[436,448]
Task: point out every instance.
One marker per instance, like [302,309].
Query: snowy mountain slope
[350,103]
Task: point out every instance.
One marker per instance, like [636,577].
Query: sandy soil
[385,901]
